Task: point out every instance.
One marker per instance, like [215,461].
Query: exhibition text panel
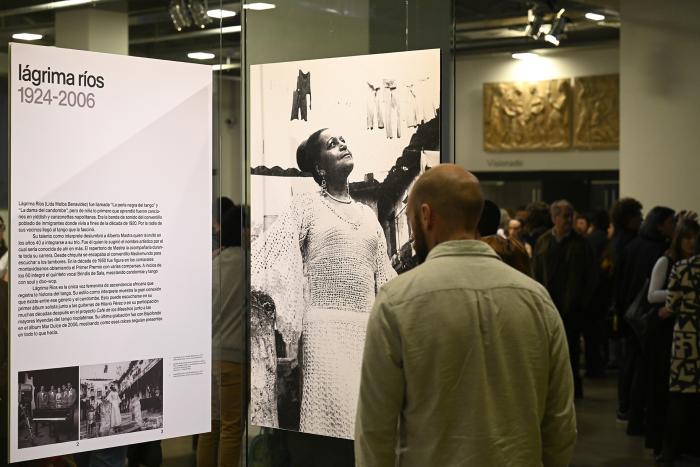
[110,185]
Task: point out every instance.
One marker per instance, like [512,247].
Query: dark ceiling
[481,25]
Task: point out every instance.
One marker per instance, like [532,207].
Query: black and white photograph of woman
[328,230]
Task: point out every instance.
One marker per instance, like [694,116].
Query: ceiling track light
[189,13]
[198,12]
[535,19]
[179,14]
[558,28]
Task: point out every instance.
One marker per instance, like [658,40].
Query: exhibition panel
[94,240]
[341,118]
[111,233]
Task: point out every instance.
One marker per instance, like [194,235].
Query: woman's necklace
[338,200]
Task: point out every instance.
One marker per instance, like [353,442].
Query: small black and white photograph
[329,190]
[48,406]
[121,397]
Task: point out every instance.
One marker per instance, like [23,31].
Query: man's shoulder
[544,240]
[434,277]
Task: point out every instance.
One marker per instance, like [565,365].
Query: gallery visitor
[684,399]
[661,322]
[222,446]
[466,359]
[626,218]
[634,267]
[511,251]
[565,263]
[321,264]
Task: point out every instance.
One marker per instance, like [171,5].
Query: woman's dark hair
[538,216]
[511,251]
[308,154]
[657,216]
[231,227]
[623,211]
[686,228]
[490,219]
[601,220]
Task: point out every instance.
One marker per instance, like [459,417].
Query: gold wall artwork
[527,115]
[552,114]
[596,112]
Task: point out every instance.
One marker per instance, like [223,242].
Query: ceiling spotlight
[201,55]
[198,12]
[525,56]
[179,14]
[27,36]
[551,39]
[595,16]
[535,18]
[220,14]
[259,6]
[558,27]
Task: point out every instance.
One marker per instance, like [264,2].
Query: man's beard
[420,245]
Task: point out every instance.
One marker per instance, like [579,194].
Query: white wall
[473,71]
[660,102]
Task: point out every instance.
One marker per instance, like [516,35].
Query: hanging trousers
[391,107]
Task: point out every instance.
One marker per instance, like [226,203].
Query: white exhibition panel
[110,195]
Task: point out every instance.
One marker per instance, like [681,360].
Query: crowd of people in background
[627,287]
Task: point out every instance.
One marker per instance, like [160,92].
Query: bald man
[466,360]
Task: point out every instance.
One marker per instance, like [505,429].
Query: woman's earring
[324,191]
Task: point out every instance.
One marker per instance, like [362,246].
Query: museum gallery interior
[220,221]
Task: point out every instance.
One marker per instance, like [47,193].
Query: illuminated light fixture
[259,6]
[201,55]
[199,14]
[551,39]
[27,36]
[535,18]
[558,27]
[595,16]
[220,14]
[525,56]
[179,14]
[67,3]
[225,66]
[231,29]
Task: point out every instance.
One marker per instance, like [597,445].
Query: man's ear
[426,216]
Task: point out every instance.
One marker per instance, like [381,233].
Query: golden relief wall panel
[596,119]
[521,116]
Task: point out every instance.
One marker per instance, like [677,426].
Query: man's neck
[455,236]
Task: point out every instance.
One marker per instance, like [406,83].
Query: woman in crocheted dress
[321,264]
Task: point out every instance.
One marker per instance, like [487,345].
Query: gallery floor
[602,441]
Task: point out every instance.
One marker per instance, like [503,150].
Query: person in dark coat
[593,325]
[626,217]
[537,222]
[634,268]
[565,263]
